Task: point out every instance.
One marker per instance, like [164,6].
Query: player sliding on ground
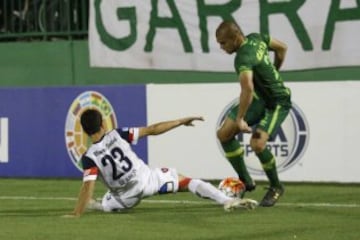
[127,177]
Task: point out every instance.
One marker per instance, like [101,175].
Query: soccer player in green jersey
[264,103]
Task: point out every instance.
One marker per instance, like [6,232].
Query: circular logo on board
[77,142]
[288,144]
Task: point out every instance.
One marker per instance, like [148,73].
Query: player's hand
[189,120]
[243,126]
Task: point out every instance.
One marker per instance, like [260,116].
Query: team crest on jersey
[76,140]
[288,144]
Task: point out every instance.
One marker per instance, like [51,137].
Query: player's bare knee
[257,145]
[222,136]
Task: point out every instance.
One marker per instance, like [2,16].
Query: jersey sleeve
[131,135]
[90,169]
[243,64]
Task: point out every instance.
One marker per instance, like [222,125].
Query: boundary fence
[43,19]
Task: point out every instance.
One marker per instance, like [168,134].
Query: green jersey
[253,55]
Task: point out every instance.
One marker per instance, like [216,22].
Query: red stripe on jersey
[91,171]
[183,184]
[131,135]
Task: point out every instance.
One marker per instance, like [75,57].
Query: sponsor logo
[76,140]
[288,144]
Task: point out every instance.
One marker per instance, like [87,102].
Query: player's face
[227,44]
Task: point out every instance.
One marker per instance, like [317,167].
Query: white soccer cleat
[240,203]
[94,205]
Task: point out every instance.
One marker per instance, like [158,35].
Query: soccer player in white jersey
[127,177]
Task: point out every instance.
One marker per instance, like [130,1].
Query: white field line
[158,201]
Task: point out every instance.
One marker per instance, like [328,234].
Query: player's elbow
[283,49]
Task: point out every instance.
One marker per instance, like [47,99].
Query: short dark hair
[228,27]
[91,121]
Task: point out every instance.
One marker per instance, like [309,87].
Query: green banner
[180,35]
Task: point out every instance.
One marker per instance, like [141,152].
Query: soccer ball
[232,187]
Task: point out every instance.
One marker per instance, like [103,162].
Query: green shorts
[264,118]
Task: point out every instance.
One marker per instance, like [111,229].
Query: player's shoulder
[255,36]
[114,132]
[89,151]
[247,50]
[86,159]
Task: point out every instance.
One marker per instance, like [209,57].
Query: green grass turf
[31,209]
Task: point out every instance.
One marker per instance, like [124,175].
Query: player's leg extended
[268,126]
[233,151]
[207,190]
[202,189]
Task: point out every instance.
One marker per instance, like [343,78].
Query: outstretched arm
[85,195]
[162,127]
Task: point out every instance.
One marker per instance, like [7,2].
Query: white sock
[207,190]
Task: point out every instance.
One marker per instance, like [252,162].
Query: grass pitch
[31,208]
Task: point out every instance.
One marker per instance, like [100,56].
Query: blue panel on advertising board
[43,138]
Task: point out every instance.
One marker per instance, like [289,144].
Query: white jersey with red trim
[114,160]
